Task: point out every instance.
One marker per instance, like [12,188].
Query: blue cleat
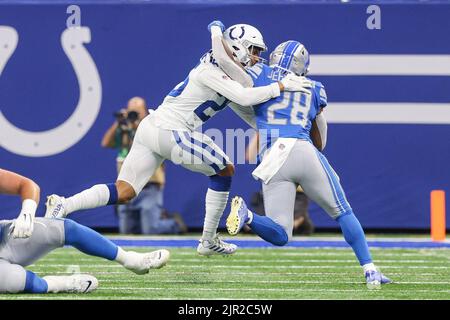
[374,279]
[238,216]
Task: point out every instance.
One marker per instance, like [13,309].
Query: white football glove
[296,83]
[23,226]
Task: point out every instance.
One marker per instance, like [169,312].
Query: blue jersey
[288,116]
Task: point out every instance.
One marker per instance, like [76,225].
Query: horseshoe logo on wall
[67,134]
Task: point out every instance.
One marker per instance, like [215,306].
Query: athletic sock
[35,284]
[88,241]
[128,258]
[122,256]
[215,203]
[354,235]
[56,283]
[268,229]
[369,267]
[94,197]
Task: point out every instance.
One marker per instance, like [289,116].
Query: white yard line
[45,260]
[105,274]
[277,252]
[364,289]
[270,281]
[257,266]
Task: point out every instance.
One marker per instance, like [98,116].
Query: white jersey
[206,91]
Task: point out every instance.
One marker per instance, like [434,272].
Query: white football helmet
[291,56]
[240,38]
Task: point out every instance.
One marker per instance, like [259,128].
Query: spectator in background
[144,214]
[302,222]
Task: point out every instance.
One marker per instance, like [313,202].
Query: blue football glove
[216,23]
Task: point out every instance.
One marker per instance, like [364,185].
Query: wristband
[29,206]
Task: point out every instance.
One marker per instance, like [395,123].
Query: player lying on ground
[169,133]
[26,239]
[290,158]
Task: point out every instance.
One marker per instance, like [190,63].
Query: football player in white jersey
[169,133]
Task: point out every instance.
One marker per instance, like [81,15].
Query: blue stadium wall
[145,49]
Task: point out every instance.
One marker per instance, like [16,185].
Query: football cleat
[215,246]
[143,262]
[55,207]
[384,279]
[156,259]
[76,283]
[374,279]
[238,216]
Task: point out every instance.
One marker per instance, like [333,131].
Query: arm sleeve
[234,91]
[321,95]
[228,65]
[245,113]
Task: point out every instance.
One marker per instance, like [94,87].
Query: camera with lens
[125,118]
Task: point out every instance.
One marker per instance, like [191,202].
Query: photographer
[144,214]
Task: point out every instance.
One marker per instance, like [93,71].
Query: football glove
[23,226]
[216,23]
[296,83]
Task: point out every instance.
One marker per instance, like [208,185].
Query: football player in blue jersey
[289,158]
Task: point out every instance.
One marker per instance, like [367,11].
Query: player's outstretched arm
[29,191]
[247,97]
[13,183]
[224,58]
[234,91]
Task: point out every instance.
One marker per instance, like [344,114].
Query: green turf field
[276,273]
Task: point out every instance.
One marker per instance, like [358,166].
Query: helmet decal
[240,36]
[288,54]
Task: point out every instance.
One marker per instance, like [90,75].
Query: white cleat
[156,259]
[143,262]
[55,207]
[76,283]
[374,279]
[215,246]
